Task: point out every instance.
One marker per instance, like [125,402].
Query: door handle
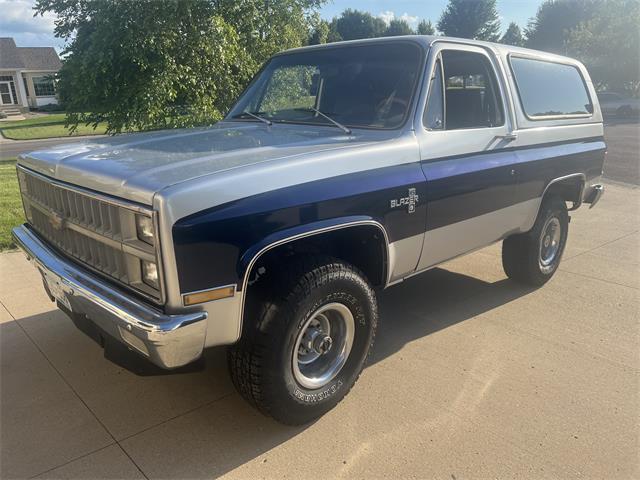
[510,137]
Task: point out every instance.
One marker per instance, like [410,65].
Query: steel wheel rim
[550,244]
[323,345]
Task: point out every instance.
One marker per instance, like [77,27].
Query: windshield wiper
[257,117]
[346,130]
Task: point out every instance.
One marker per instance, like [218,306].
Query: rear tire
[532,258]
[305,341]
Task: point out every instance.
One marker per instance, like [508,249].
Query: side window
[549,89]
[434,113]
[471,96]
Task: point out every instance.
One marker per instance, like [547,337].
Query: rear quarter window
[548,89]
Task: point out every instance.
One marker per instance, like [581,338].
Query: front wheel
[306,342]
[533,257]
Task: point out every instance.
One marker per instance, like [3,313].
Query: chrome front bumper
[168,341]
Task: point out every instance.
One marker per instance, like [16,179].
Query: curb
[4,139]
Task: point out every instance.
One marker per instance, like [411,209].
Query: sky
[519,11]
[17,20]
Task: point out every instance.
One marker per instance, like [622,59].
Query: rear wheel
[305,341]
[533,257]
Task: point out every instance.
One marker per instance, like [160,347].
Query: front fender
[252,254]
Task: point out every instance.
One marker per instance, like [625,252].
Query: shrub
[51,107]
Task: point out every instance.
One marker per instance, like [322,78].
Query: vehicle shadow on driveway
[433,301]
[195,420]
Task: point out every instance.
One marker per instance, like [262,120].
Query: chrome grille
[92,229]
[78,208]
[100,256]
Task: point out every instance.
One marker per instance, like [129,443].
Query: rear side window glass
[549,89]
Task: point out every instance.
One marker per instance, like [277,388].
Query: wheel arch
[568,187]
[311,234]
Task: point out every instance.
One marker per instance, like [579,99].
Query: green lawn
[11,213]
[45,126]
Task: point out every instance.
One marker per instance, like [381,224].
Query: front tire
[305,341]
[532,258]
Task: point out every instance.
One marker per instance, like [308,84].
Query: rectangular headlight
[150,274]
[144,227]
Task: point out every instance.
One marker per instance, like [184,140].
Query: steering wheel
[387,107]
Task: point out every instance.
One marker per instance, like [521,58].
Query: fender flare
[583,181]
[252,255]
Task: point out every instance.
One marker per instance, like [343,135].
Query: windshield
[368,86]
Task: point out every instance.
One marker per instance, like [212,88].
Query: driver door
[466,153]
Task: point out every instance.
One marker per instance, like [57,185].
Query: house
[26,76]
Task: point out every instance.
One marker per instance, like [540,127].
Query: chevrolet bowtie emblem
[56,221]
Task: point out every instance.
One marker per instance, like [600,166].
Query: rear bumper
[594,195]
[168,341]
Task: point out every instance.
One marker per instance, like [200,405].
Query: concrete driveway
[623,150]
[472,376]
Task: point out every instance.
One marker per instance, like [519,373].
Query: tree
[554,20]
[470,19]
[354,24]
[166,63]
[513,36]
[266,27]
[425,27]
[609,43]
[333,36]
[320,32]
[398,27]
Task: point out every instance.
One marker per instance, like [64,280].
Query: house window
[44,86]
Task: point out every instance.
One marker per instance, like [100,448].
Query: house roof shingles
[28,58]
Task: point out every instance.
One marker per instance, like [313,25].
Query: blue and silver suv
[341,170]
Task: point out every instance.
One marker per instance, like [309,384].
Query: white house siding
[41,101]
[22,64]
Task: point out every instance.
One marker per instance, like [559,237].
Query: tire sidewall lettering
[329,293]
[323,394]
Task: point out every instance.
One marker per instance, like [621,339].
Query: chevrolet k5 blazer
[342,169]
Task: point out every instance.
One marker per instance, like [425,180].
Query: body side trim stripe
[232,232]
[517,148]
[456,239]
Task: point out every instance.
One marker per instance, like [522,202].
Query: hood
[135,166]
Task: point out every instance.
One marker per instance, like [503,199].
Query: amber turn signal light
[208,295]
